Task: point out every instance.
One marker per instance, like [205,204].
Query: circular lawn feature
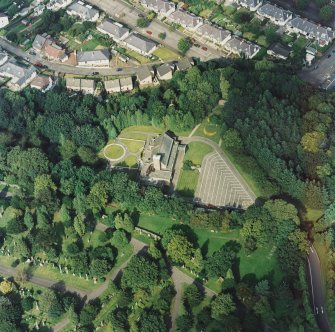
[114,151]
[210,130]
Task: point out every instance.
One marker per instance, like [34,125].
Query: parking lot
[219,186]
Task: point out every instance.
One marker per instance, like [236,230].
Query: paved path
[318,298]
[61,325]
[179,278]
[194,130]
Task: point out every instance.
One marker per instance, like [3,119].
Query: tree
[180,250]
[119,239]
[222,305]
[231,139]
[124,222]
[79,225]
[100,267]
[140,273]
[184,323]
[302,4]
[326,13]
[50,304]
[152,321]
[192,296]
[6,287]
[184,44]
[311,141]
[88,314]
[224,86]
[162,35]
[142,22]
[87,155]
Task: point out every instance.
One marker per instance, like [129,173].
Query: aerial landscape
[167,165]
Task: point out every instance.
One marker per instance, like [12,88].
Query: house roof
[40,81]
[162,146]
[112,84]
[312,29]
[185,18]
[240,45]
[275,12]
[3,15]
[19,74]
[143,73]
[184,64]
[213,32]
[88,84]
[280,49]
[39,42]
[164,69]
[98,55]
[250,3]
[126,81]
[140,42]
[83,11]
[54,51]
[72,82]
[162,6]
[113,28]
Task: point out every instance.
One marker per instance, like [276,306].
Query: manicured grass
[133,135]
[165,54]
[133,146]
[90,45]
[208,130]
[145,129]
[130,161]
[196,151]
[187,182]
[313,214]
[140,58]
[301,42]
[113,151]
[155,223]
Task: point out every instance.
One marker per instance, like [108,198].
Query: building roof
[214,32]
[19,74]
[162,146]
[143,73]
[185,18]
[311,29]
[164,69]
[3,15]
[126,81]
[112,84]
[241,46]
[113,28]
[86,12]
[275,12]
[162,6]
[250,3]
[39,42]
[54,51]
[184,64]
[280,49]
[72,82]
[87,84]
[40,81]
[140,42]
[98,55]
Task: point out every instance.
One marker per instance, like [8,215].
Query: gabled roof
[184,64]
[126,81]
[250,3]
[213,32]
[280,49]
[143,73]
[40,81]
[185,18]
[163,146]
[112,84]
[241,46]
[140,42]
[275,12]
[162,6]
[113,28]
[311,29]
[98,55]
[54,51]
[83,11]
[39,42]
[164,69]
[19,74]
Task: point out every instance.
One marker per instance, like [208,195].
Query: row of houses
[279,16]
[202,28]
[145,76]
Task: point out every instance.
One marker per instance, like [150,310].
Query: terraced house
[252,5]
[140,44]
[84,12]
[113,29]
[97,58]
[186,19]
[214,33]
[242,47]
[275,14]
[323,36]
[162,7]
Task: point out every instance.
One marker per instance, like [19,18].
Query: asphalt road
[318,299]
[125,13]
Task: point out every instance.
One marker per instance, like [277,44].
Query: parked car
[95,73]
[118,69]
[149,32]
[141,15]
[204,48]
[196,45]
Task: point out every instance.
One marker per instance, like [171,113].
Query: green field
[133,146]
[130,161]
[144,129]
[165,54]
[208,130]
[196,151]
[139,136]
[140,58]
[187,183]
[113,151]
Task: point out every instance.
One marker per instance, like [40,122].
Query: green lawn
[133,135]
[187,182]
[209,130]
[145,129]
[165,54]
[90,45]
[113,151]
[196,151]
[140,58]
[130,161]
[155,223]
[133,146]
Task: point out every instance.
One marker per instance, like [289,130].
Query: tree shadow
[204,248]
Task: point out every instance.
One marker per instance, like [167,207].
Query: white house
[140,44]
[126,84]
[3,20]
[43,83]
[144,75]
[38,10]
[242,47]
[3,57]
[84,12]
[164,72]
[97,58]
[252,5]
[162,7]
[214,33]
[275,14]
[114,30]
[79,84]
[56,5]
[112,86]
[186,19]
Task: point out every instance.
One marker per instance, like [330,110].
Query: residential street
[125,13]
[318,299]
